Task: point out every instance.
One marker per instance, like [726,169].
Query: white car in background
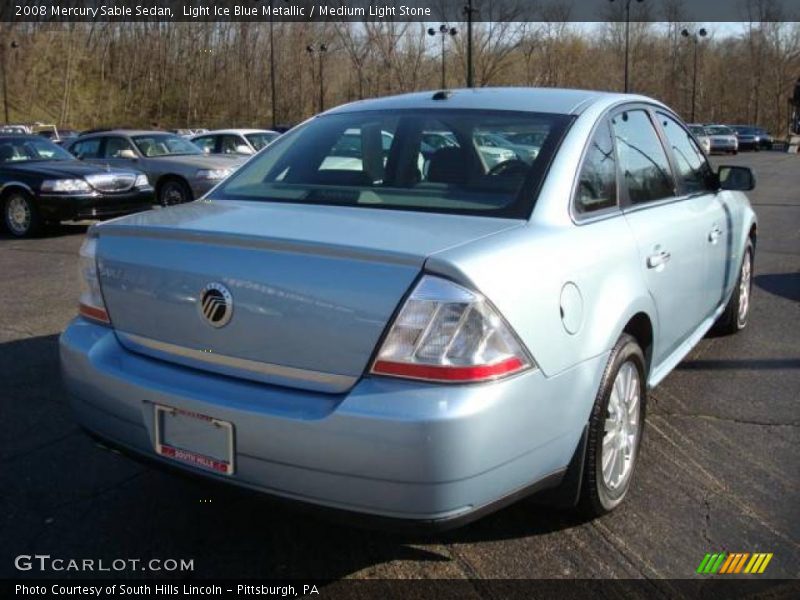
[700,134]
[235,141]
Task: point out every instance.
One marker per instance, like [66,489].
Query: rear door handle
[714,234]
[656,260]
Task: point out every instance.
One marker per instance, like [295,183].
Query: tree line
[218,74]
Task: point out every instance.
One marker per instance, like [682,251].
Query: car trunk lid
[311,287]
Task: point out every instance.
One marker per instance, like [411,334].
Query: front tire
[615,430]
[20,215]
[737,311]
[174,191]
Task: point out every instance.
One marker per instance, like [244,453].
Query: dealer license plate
[195,439]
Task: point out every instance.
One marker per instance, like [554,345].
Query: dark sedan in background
[752,138]
[40,182]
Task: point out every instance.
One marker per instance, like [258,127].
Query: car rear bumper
[62,207]
[403,450]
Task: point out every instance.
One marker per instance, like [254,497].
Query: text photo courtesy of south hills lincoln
[459,298]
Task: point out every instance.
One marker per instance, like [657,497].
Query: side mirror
[242,149]
[739,179]
[127,153]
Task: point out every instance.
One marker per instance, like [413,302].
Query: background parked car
[177,168]
[187,133]
[748,137]
[41,182]
[723,139]
[699,132]
[243,142]
[54,134]
[765,140]
[21,129]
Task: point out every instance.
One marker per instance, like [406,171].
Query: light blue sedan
[423,338]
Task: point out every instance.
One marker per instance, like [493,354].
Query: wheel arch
[9,186]
[639,319]
[165,177]
[640,327]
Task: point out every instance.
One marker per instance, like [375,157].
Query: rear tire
[20,215]
[737,311]
[615,430]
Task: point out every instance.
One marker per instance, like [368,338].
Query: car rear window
[451,161]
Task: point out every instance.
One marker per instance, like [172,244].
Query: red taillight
[448,333]
[91,312]
[90,304]
[448,373]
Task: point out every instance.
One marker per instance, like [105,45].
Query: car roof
[541,100]
[24,136]
[127,132]
[235,131]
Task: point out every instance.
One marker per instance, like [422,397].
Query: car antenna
[442,95]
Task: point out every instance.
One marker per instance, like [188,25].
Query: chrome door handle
[714,234]
[658,259]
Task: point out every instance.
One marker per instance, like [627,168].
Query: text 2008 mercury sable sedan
[418,337]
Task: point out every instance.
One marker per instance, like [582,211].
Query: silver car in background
[177,169]
[723,139]
[243,142]
[416,335]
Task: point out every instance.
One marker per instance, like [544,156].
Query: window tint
[642,160]
[114,146]
[164,144]
[430,159]
[206,143]
[234,144]
[690,161]
[87,148]
[259,140]
[597,185]
[29,148]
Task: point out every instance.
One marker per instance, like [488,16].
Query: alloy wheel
[622,427]
[18,215]
[744,288]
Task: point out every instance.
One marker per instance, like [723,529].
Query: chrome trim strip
[265,372]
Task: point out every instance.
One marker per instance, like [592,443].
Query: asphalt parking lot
[720,468]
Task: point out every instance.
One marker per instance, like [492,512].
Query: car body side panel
[676,286]
[524,271]
[742,219]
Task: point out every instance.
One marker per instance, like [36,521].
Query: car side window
[693,168]
[597,184]
[642,160]
[233,144]
[206,143]
[87,148]
[115,146]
